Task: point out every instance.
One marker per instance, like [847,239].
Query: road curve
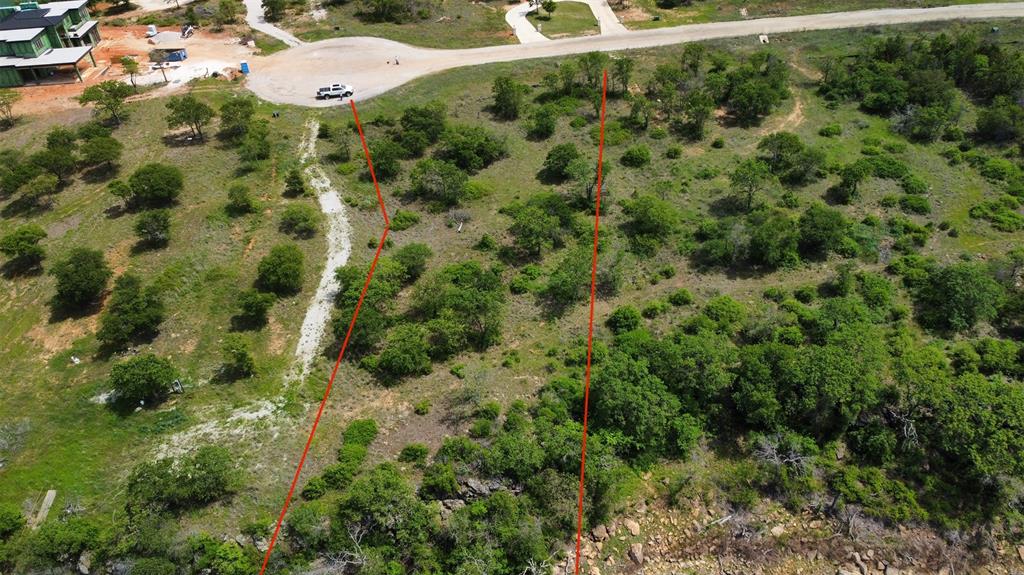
[292,76]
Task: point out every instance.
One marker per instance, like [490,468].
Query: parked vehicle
[334,91]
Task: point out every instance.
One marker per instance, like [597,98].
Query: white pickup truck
[334,91]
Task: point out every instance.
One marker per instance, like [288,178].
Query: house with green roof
[36,39]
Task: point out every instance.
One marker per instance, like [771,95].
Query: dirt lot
[208,53]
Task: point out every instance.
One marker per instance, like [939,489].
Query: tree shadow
[25,207]
[182,140]
[115,211]
[143,246]
[60,312]
[13,269]
[243,323]
[101,173]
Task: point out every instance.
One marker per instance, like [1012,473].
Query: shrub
[636,156]
[132,313]
[680,297]
[654,309]
[238,360]
[11,521]
[439,482]
[543,122]
[915,204]
[471,148]
[831,130]
[239,199]
[439,181]
[193,480]
[253,306]
[718,143]
[314,489]
[295,184]
[673,152]
[22,248]
[422,407]
[360,432]
[556,163]
[300,220]
[143,378]
[156,184]
[81,278]
[415,453]
[403,220]
[153,227]
[481,428]
[413,258]
[280,271]
[405,352]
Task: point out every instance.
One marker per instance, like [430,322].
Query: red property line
[341,354]
[590,326]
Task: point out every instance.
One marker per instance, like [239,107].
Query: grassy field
[70,442]
[452,24]
[569,19]
[647,14]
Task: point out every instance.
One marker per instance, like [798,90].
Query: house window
[37,44]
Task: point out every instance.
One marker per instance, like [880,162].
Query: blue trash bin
[245,67]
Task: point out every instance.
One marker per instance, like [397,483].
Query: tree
[549,6]
[386,155]
[273,10]
[108,96]
[749,178]
[22,248]
[474,296]
[189,111]
[543,121]
[143,379]
[153,227]
[82,276]
[413,259]
[775,240]
[639,113]
[751,100]
[122,191]
[789,159]
[622,68]
[300,220]
[255,146]
[651,222]
[405,352]
[471,148]
[236,114]
[534,230]
[592,65]
[624,318]
[958,296]
[61,139]
[133,313]
[60,163]
[280,271]
[636,156]
[1003,121]
[557,162]
[227,12]
[508,97]
[238,360]
[629,400]
[822,229]
[36,191]
[130,67]
[851,176]
[8,98]
[101,150]
[439,181]
[240,201]
[253,306]
[156,184]
[295,184]
[429,120]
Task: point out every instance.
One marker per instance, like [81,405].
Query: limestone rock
[778,531]
[85,563]
[599,533]
[632,526]
[636,553]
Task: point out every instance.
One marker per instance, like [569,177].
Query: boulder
[636,553]
[599,533]
[632,526]
[85,563]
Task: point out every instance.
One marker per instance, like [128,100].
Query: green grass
[649,15]
[267,44]
[452,24]
[76,445]
[569,19]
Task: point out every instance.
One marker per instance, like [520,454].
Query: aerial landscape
[556,287]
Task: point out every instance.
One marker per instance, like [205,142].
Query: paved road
[292,76]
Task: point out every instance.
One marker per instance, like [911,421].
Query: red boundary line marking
[341,353]
[590,326]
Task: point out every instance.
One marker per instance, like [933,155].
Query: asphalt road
[293,75]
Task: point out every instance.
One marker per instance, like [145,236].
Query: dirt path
[292,76]
[339,246]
